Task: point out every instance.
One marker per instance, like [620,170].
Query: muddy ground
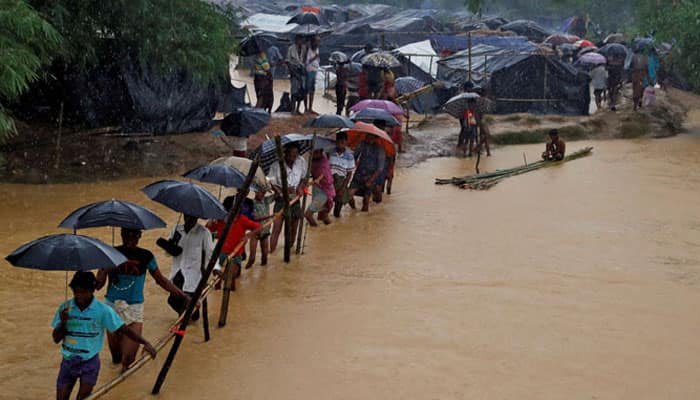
[34,156]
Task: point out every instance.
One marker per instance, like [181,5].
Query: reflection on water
[577,280]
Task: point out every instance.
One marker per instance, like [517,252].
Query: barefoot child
[261,205]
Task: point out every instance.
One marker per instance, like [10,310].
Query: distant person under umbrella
[313,59]
[599,82]
[341,86]
[469,124]
[195,248]
[263,82]
[125,293]
[80,323]
[296,174]
[296,61]
[640,68]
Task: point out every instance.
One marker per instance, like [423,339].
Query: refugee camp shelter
[527,82]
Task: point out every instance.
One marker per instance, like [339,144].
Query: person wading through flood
[342,165]
[556,148]
[296,61]
[196,246]
[323,191]
[80,323]
[296,174]
[125,293]
[371,159]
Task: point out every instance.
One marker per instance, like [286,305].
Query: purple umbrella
[385,105]
[592,59]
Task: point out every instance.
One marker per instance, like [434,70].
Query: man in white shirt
[296,175]
[296,62]
[599,82]
[312,66]
[197,247]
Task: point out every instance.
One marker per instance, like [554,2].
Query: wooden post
[285,195]
[229,285]
[180,335]
[469,36]
[57,163]
[205,306]
[300,231]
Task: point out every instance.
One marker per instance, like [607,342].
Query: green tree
[27,43]
[168,35]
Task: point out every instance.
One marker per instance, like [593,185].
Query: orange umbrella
[362,129]
[584,43]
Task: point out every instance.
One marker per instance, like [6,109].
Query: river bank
[36,155]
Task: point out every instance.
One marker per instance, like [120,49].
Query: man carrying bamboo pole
[556,148]
[296,171]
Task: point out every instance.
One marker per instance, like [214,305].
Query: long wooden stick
[303,201]
[228,286]
[205,306]
[233,213]
[285,196]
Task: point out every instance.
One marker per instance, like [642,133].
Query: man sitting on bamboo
[556,148]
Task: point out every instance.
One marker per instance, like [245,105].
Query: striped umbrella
[407,84]
[268,149]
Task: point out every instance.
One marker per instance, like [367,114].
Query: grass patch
[531,120]
[557,118]
[512,118]
[633,129]
[568,133]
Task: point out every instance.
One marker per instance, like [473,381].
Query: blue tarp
[459,43]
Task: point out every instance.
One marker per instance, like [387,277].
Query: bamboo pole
[229,285]
[205,306]
[303,201]
[469,36]
[285,195]
[233,213]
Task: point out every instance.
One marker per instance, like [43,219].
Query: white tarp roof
[420,54]
[269,23]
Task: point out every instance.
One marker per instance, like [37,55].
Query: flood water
[579,282]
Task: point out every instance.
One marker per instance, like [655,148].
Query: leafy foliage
[27,43]
[168,35]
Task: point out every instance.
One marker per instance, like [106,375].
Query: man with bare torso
[556,148]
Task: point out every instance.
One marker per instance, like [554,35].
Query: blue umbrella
[186,198]
[269,150]
[330,121]
[113,213]
[323,142]
[375,114]
[245,121]
[220,174]
[66,252]
[407,84]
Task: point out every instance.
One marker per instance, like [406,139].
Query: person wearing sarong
[370,158]
[296,184]
[342,165]
[640,65]
[263,82]
[296,63]
[323,191]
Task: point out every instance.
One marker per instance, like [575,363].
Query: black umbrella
[186,198]
[370,114]
[268,148]
[407,84]
[338,57]
[220,174]
[256,43]
[115,213]
[642,44]
[66,252]
[614,50]
[306,18]
[456,105]
[329,121]
[245,121]
[380,60]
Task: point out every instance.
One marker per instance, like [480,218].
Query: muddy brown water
[580,281]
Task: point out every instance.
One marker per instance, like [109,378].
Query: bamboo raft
[487,180]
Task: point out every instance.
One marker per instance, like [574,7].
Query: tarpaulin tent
[422,55]
[530,29]
[268,23]
[521,82]
[458,43]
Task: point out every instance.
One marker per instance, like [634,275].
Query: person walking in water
[125,293]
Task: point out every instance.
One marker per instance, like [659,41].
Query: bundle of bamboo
[487,180]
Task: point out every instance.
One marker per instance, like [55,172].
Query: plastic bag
[649,99]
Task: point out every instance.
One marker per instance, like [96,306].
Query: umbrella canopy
[567,48]
[370,114]
[116,213]
[243,165]
[561,38]
[358,134]
[310,30]
[220,174]
[642,44]
[584,43]
[587,50]
[456,105]
[186,198]
[328,121]
[355,68]
[614,50]
[407,84]
[386,105]
[66,252]
[268,150]
[338,57]
[592,59]
[614,38]
[380,60]
[256,43]
[245,121]
[306,18]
